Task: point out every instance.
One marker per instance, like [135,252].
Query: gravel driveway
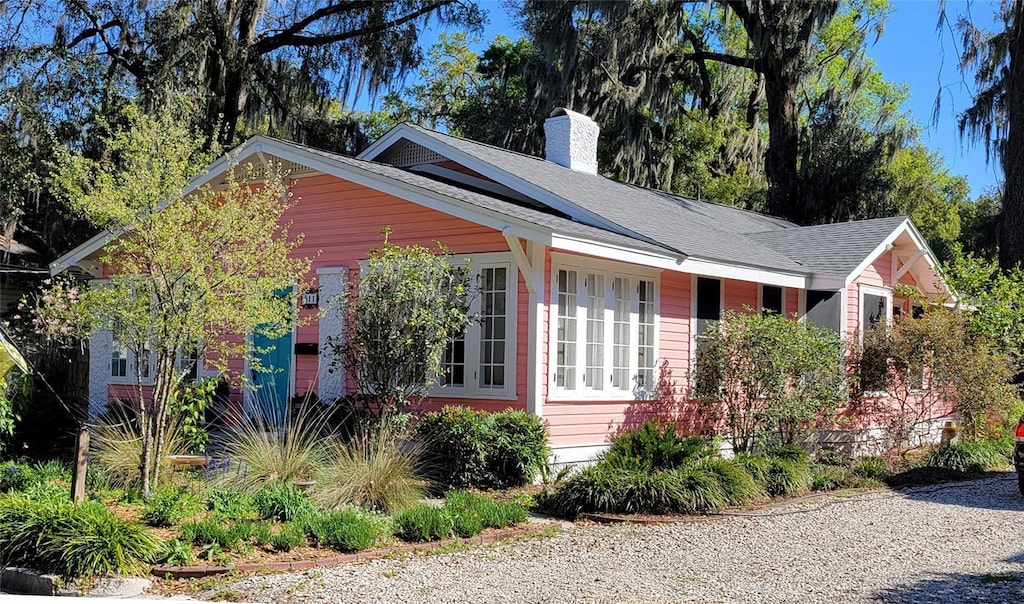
[960,542]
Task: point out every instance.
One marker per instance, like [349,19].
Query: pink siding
[740,294]
[792,302]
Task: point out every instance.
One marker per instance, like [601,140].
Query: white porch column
[100,344]
[537,376]
[330,372]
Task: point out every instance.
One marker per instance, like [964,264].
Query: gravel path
[961,542]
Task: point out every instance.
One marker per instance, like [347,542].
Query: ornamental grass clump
[424,523]
[267,451]
[116,447]
[281,502]
[72,540]
[348,529]
[974,457]
[376,469]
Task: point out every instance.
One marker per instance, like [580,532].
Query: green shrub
[473,512]
[519,448]
[737,483]
[829,477]
[595,488]
[656,447]
[699,490]
[282,502]
[48,492]
[15,477]
[227,535]
[788,477]
[757,466]
[974,457]
[53,471]
[177,552]
[375,469]
[789,453]
[348,529]
[468,448]
[261,532]
[72,540]
[168,506]
[231,504]
[875,468]
[290,536]
[423,523]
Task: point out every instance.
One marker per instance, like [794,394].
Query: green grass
[169,505]
[70,540]
[970,457]
[348,529]
[424,523]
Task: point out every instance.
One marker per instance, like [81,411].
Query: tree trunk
[1011,231]
[783,146]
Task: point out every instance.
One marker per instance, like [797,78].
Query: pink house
[586,283]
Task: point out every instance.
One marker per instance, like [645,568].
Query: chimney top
[571,140]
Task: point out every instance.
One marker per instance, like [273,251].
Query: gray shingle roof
[551,222]
[702,230]
[835,249]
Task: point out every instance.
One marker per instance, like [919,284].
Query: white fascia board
[707,268]
[97,242]
[618,253]
[907,226]
[496,174]
[826,282]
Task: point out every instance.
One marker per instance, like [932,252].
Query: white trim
[874,290]
[469,180]
[536,377]
[717,270]
[573,454]
[906,227]
[471,388]
[610,270]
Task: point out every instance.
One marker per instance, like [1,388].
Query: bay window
[481,361]
[604,334]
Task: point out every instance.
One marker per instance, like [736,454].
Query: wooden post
[81,465]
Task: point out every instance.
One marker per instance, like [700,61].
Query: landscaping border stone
[195,572]
[26,581]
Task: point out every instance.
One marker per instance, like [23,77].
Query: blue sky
[909,51]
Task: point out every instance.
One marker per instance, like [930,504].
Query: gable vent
[413,155]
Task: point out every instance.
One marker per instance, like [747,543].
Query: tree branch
[290,35]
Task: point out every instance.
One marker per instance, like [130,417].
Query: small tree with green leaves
[192,270]
[410,302]
[931,366]
[770,376]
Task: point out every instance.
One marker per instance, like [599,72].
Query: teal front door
[272,381]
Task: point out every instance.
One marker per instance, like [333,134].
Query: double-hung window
[481,361]
[603,333]
[124,361]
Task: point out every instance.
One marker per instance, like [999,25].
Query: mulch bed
[309,562]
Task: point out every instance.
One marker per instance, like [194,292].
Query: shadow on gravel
[955,587]
[997,491]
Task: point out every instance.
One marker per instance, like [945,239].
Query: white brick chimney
[571,140]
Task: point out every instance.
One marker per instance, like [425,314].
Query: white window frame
[872,290]
[610,270]
[130,365]
[760,297]
[471,388]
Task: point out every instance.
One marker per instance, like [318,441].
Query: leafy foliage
[282,502]
[656,447]
[469,448]
[771,375]
[169,505]
[463,514]
[72,540]
[348,529]
[974,457]
[965,374]
[189,269]
[410,301]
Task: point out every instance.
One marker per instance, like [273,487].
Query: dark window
[709,302]
[823,308]
[874,312]
[771,299]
